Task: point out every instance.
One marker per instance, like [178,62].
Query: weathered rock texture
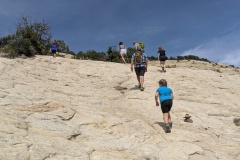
[59,109]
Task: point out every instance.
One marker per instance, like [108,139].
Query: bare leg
[167,123]
[161,65]
[169,118]
[165,117]
[123,59]
[141,80]
[138,78]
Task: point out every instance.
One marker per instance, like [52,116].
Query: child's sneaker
[168,129]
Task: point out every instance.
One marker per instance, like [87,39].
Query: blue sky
[206,28]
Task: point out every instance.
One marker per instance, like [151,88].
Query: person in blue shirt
[165,95]
[53,49]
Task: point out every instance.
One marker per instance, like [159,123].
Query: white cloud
[232,58]
[224,49]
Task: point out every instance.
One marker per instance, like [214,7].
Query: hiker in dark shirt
[162,57]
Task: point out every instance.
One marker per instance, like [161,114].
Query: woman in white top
[122,51]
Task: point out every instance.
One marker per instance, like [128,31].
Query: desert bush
[62,46]
[11,52]
[172,66]
[114,57]
[152,58]
[91,55]
[189,57]
[30,38]
[172,58]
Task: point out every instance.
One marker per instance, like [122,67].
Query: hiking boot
[170,124]
[168,129]
[142,89]
[139,85]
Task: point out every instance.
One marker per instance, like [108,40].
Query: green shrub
[30,38]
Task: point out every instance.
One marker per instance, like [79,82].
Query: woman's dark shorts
[162,58]
[166,105]
[53,51]
[140,71]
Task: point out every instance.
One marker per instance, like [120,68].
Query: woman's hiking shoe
[139,85]
[142,89]
[168,129]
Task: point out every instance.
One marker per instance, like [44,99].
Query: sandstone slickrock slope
[69,109]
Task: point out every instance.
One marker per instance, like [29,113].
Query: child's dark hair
[120,43]
[163,82]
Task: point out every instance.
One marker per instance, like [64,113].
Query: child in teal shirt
[165,96]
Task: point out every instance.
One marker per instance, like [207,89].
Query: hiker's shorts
[123,51]
[53,51]
[140,71]
[162,58]
[166,105]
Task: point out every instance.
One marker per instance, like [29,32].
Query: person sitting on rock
[165,96]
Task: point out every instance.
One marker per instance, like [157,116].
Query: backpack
[141,44]
[138,58]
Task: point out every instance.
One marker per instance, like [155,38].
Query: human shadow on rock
[135,88]
[161,124]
